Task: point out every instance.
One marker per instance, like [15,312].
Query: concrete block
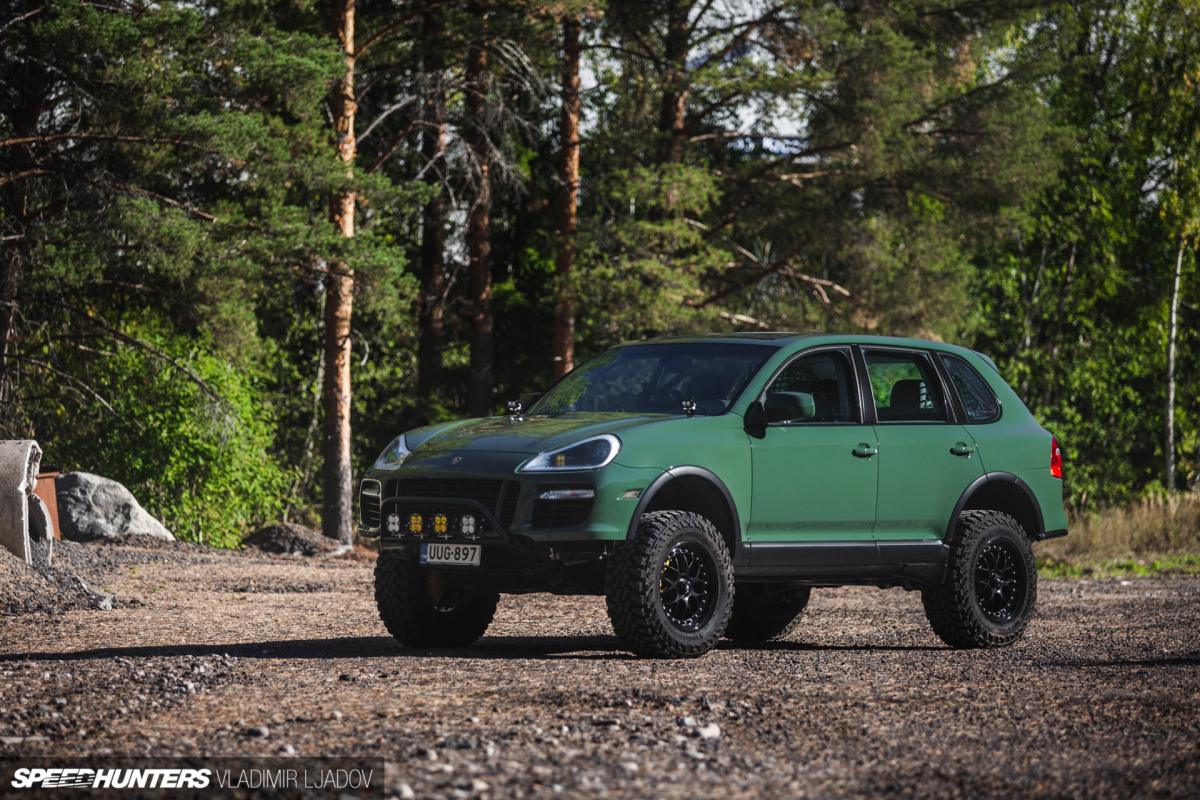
[19,462]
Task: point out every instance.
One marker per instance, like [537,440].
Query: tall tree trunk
[1064,289]
[32,88]
[8,315]
[675,92]
[564,323]
[479,235]
[1172,331]
[431,311]
[339,301]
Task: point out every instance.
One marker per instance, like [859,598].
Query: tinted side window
[905,387]
[828,377]
[977,397]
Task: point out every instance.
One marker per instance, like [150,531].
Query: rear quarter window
[978,399]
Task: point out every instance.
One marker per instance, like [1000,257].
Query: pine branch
[105,137]
[139,344]
[69,378]
[29,173]
[154,196]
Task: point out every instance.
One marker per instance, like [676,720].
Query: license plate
[466,555]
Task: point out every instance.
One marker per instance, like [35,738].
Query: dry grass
[1152,530]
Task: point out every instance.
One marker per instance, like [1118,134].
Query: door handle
[962,449]
[864,450]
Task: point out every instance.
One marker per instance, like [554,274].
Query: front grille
[368,504]
[481,490]
[506,509]
[560,513]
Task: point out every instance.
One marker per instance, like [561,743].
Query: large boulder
[92,508]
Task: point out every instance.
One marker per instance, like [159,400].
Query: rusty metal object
[45,490]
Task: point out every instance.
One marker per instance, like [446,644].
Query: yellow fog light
[415,523]
[439,523]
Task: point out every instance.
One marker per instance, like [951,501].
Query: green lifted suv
[705,484]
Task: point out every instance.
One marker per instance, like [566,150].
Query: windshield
[657,378]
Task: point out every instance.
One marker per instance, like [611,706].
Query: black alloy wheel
[1000,581]
[669,589]
[990,591]
[687,587]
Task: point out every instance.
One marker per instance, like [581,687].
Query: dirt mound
[25,589]
[287,537]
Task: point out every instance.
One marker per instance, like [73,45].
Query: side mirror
[790,407]
[755,420]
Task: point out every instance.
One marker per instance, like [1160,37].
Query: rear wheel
[990,591]
[670,589]
[766,611]
[423,607]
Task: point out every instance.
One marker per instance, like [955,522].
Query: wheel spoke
[686,588]
[999,581]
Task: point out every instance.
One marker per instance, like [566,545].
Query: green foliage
[1186,564]
[198,457]
[1074,306]
[1018,177]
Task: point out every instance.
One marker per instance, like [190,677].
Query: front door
[814,467]
[926,461]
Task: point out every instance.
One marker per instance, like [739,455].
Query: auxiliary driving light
[468,524]
[415,523]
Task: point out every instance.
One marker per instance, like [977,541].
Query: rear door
[926,459]
[809,485]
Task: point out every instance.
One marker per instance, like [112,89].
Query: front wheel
[669,590]
[990,590]
[422,607]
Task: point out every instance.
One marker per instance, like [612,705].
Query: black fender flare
[685,472]
[996,477]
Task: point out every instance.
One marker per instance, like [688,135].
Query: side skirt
[911,564]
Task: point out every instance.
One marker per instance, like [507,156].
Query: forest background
[244,244]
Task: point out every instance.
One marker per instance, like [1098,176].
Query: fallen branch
[742,319]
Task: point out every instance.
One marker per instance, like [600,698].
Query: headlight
[393,455]
[589,454]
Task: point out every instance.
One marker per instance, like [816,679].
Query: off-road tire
[648,596]
[765,611]
[990,591]
[405,592]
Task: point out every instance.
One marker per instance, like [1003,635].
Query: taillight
[1055,458]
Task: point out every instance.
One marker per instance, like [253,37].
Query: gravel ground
[204,652]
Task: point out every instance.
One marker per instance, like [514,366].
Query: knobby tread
[402,597]
[632,593]
[950,608]
[761,615]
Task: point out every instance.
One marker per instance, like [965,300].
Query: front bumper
[469,497]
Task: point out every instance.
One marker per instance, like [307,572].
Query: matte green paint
[795,483]
[808,486]
[920,480]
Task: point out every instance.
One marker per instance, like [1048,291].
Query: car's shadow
[488,648]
